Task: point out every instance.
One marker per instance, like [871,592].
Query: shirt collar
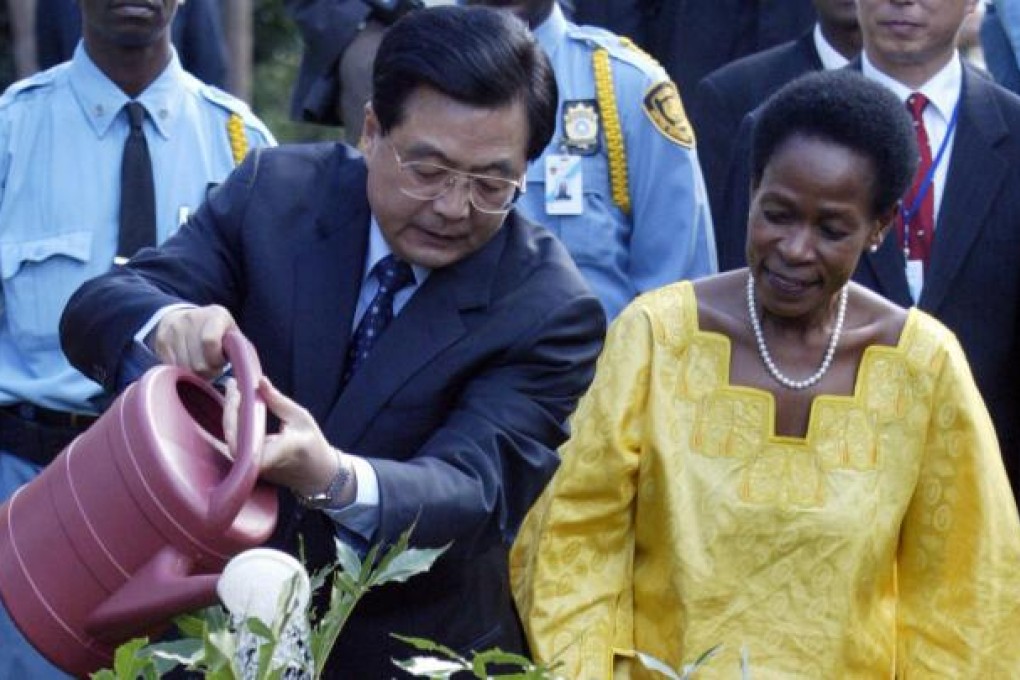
[378,249]
[942,90]
[551,32]
[830,58]
[101,100]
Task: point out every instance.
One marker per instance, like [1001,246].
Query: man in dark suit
[197,34]
[726,95]
[970,279]
[451,419]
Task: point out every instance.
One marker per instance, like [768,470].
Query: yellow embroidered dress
[886,541]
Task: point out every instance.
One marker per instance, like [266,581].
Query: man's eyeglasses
[428,181]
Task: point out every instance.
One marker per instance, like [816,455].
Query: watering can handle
[226,500]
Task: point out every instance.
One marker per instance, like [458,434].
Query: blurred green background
[277,47]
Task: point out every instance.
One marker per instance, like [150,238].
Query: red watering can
[134,520]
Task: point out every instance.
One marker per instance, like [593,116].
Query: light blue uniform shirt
[62,137]
[668,235]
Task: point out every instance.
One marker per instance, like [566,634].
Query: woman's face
[810,221]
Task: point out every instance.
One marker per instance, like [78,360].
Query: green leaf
[701,660]
[129,660]
[320,577]
[219,647]
[651,663]
[105,674]
[409,563]
[431,667]
[425,645]
[347,558]
[191,625]
[482,660]
[186,652]
[257,626]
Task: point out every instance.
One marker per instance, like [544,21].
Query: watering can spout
[147,512]
[162,588]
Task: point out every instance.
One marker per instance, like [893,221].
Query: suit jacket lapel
[976,172]
[430,322]
[327,278]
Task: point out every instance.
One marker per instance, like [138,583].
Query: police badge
[581,127]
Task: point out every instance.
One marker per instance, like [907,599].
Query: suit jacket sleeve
[476,475]
[199,264]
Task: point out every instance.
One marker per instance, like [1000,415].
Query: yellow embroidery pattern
[679,519]
[615,150]
[238,140]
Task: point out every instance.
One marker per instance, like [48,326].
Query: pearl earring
[873,248]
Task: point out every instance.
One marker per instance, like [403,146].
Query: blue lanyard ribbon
[908,214]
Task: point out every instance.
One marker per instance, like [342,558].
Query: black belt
[39,434]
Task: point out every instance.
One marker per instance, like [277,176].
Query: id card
[564,185]
[915,278]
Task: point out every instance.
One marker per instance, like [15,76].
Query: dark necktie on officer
[137,190]
[393,275]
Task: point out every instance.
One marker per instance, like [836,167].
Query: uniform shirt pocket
[39,275]
[600,233]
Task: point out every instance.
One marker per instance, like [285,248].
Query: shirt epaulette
[621,49]
[242,126]
[226,101]
[36,81]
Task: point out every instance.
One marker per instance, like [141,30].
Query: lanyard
[908,214]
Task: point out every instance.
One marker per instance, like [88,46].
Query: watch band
[327,498]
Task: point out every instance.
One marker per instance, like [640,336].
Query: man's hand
[298,457]
[193,338]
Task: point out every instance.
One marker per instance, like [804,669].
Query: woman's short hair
[475,55]
[844,107]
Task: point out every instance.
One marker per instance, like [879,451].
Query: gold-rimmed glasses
[427,181]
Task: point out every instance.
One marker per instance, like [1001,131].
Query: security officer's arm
[672,235]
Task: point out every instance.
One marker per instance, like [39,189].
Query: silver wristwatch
[328,497]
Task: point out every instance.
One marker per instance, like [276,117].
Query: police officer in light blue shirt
[62,138]
[620,183]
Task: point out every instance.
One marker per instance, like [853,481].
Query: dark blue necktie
[137,190]
[393,275]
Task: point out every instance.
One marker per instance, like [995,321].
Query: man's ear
[370,130]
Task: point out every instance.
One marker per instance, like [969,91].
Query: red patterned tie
[920,230]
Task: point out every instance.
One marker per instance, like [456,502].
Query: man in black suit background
[424,343]
[970,276]
[692,38]
[971,279]
[726,95]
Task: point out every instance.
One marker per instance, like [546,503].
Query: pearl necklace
[763,350]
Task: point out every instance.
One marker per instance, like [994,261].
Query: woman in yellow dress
[778,461]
